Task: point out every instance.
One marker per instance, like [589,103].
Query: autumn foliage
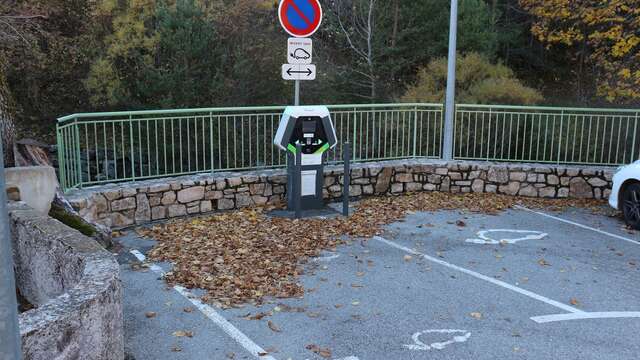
[605,33]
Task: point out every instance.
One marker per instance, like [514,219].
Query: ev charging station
[310,129]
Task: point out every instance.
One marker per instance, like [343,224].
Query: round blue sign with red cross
[300,18]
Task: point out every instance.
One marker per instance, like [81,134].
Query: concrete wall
[36,184]
[120,205]
[74,284]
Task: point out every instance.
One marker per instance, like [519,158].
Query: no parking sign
[300,18]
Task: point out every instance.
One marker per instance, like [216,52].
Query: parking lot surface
[523,284]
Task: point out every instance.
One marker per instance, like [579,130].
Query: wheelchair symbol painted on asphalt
[506,236]
[460,336]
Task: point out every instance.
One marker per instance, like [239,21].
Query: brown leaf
[182,333]
[273,326]
[408,257]
[543,262]
[476,315]
[150,314]
[188,309]
[574,302]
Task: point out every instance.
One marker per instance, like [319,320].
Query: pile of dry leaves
[245,256]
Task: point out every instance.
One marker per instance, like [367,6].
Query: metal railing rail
[98,148]
[546,134]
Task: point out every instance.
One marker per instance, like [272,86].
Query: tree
[478,82]
[603,34]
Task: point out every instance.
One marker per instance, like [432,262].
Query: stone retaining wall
[75,288]
[120,205]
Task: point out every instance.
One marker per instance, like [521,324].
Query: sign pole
[297,95]
[10,344]
[451,84]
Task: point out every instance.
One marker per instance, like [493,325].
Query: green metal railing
[98,148]
[546,134]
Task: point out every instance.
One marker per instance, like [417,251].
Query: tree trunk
[7,126]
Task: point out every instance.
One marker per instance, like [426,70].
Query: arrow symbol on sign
[308,72]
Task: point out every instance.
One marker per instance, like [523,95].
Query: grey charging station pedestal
[310,129]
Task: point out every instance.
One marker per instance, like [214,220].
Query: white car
[625,193]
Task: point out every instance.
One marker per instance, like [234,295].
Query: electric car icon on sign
[300,54]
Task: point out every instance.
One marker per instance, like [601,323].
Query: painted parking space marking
[586,315]
[578,225]
[460,336]
[494,281]
[237,335]
[487,237]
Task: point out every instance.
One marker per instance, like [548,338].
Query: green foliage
[478,82]
[71,220]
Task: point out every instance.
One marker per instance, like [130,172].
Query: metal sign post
[451,84]
[10,344]
[299,18]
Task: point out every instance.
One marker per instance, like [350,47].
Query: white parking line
[214,316]
[578,225]
[503,284]
[586,315]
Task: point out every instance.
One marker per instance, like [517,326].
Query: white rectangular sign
[298,72]
[299,51]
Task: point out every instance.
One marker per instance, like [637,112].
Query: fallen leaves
[325,353]
[150,314]
[245,256]
[408,258]
[543,262]
[182,333]
[574,302]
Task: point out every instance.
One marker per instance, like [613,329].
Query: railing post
[560,138]
[211,140]
[633,144]
[61,160]
[133,163]
[10,343]
[346,178]
[297,176]
[78,155]
[415,130]
[355,131]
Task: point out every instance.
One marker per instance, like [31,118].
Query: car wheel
[631,205]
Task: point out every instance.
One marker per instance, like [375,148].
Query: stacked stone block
[127,204]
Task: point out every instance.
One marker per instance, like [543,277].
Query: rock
[553,180]
[225,204]
[446,185]
[518,176]
[176,210]
[128,192]
[168,198]
[234,181]
[355,190]
[159,188]
[368,189]
[191,194]
[528,191]
[243,200]
[213,195]
[158,212]
[250,179]
[413,187]
[206,206]
[580,189]
[155,200]
[597,182]
[491,189]
[477,186]
[259,199]
[511,189]
[123,204]
[397,188]
[383,181]
[442,171]
[429,187]
[193,209]
[434,179]
[455,176]
[404,177]
[143,211]
[122,219]
[499,175]
[112,194]
[101,203]
[563,193]
[573,172]
[548,192]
